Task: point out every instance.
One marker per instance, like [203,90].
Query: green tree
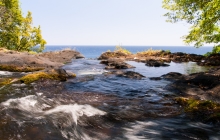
[204,16]
[16,31]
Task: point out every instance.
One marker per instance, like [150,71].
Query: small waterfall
[64,117]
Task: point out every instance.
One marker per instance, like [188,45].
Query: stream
[97,105]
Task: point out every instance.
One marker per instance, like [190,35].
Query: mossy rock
[13,68]
[6,81]
[59,74]
[203,110]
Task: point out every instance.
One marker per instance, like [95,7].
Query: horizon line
[129,45]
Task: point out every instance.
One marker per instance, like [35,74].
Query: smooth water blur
[96,51]
[97,105]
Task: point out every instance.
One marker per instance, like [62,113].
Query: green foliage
[215,50]
[204,16]
[16,31]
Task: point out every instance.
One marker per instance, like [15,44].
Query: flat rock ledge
[163,56]
[25,62]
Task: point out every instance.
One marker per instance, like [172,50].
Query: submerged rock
[128,74]
[155,78]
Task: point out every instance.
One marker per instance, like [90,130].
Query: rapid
[97,105]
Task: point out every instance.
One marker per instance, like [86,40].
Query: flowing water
[99,105]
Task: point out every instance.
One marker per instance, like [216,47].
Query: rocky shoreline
[44,65]
[163,56]
[204,86]
[197,93]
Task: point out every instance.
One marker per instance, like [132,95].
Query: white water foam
[76,111]
[31,104]
[92,72]
[5,73]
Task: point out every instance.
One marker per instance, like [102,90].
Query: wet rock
[156,63]
[172,76]
[128,74]
[205,86]
[116,64]
[54,74]
[155,78]
[204,81]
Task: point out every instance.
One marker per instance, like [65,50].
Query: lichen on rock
[55,74]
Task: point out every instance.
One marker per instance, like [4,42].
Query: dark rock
[116,64]
[155,63]
[212,60]
[204,81]
[179,57]
[172,76]
[205,86]
[195,57]
[128,74]
[155,78]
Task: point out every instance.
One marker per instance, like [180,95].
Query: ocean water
[96,51]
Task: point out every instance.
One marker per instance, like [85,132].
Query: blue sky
[104,22]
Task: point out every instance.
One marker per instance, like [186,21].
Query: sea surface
[95,51]
[97,105]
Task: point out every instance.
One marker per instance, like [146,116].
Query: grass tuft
[150,52]
[122,50]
